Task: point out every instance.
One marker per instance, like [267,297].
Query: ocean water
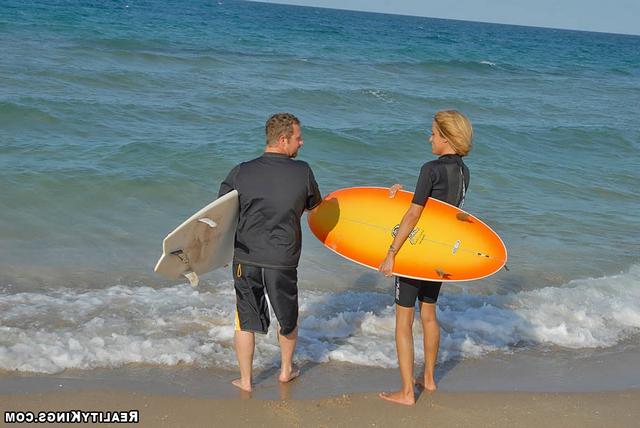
[119,119]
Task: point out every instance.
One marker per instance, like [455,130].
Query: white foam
[379,94]
[179,325]
[111,327]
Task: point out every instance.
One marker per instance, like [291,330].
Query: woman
[446,179]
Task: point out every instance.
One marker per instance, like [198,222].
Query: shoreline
[525,371]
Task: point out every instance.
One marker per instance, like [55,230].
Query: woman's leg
[431,331]
[404,348]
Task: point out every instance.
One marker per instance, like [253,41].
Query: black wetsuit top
[273,190]
[443,179]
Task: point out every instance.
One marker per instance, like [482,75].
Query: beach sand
[454,409]
[326,395]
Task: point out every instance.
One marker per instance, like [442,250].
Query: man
[273,190]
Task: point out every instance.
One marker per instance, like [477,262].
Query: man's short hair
[280,124]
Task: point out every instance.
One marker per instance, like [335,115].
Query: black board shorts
[408,290]
[252,309]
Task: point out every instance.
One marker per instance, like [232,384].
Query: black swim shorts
[252,310]
[408,290]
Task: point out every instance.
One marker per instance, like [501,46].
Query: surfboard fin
[464,217]
[192,277]
[212,224]
[442,274]
[181,255]
[189,274]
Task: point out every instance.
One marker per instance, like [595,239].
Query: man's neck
[271,149]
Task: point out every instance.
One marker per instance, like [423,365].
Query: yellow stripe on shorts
[237,322]
[238,274]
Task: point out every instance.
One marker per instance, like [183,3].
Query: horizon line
[443,19]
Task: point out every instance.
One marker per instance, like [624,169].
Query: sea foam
[120,325]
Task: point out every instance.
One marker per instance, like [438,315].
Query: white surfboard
[202,243]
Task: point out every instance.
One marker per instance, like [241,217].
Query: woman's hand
[386,267]
[394,189]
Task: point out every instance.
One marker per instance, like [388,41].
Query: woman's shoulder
[430,169]
[431,165]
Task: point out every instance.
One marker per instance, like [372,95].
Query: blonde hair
[280,124]
[456,128]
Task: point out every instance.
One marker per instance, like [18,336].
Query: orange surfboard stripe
[447,244]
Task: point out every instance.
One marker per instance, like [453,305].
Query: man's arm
[228,184]
[314,198]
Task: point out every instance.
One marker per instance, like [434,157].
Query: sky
[610,16]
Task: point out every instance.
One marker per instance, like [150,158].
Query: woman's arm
[409,221]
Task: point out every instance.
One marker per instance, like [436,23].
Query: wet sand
[459,409]
[326,395]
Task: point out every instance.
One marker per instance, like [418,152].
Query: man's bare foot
[288,376]
[245,386]
[398,397]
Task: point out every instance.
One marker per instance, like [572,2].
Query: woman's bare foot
[427,386]
[399,397]
[289,375]
[245,386]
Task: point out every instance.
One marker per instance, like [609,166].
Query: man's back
[273,190]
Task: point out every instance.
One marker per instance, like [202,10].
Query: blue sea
[119,119]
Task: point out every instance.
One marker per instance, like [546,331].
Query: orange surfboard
[447,244]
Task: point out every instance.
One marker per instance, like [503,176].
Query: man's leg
[252,315]
[404,348]
[431,332]
[282,289]
[287,347]
[245,345]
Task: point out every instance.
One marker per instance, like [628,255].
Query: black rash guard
[446,179]
[273,190]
